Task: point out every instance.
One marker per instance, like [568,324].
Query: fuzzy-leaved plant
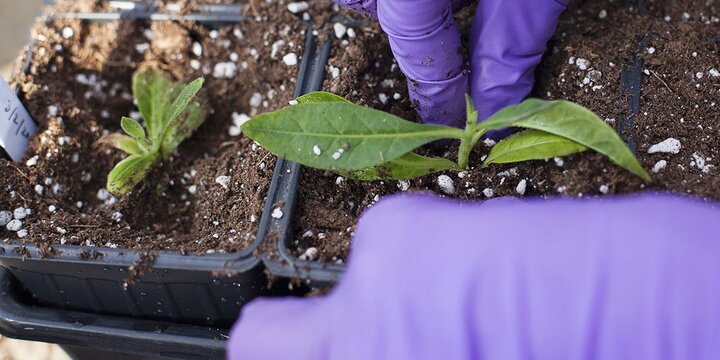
[169,116]
[326,131]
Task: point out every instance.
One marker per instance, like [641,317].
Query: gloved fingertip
[279,328]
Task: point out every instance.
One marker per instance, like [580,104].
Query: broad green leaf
[571,121]
[472,115]
[122,142]
[132,128]
[408,166]
[151,89]
[129,173]
[182,128]
[531,145]
[182,101]
[319,97]
[339,135]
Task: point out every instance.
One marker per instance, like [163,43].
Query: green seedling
[169,117]
[325,131]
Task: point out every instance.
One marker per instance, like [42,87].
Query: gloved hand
[507,41]
[624,278]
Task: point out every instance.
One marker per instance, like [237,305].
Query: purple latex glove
[507,41]
[623,278]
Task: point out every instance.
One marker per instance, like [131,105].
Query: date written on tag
[16,125]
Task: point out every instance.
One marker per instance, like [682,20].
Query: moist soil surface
[680,91]
[77,89]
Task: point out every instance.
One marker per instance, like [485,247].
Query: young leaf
[531,145]
[132,128]
[122,142]
[151,90]
[510,115]
[181,129]
[408,166]
[472,114]
[129,173]
[339,135]
[182,101]
[319,97]
[571,121]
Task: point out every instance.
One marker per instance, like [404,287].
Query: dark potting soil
[594,40]
[78,89]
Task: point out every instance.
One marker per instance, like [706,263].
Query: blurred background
[16,18]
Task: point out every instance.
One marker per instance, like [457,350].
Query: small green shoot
[327,132]
[169,117]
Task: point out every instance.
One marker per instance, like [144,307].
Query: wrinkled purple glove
[623,278]
[507,41]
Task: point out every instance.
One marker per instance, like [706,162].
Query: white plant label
[16,125]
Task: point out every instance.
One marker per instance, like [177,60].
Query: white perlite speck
[103,194]
[293,102]
[699,161]
[224,181]
[340,30]
[224,70]
[194,64]
[714,73]
[60,230]
[39,189]
[67,32]
[277,213]
[403,185]
[335,72]
[142,48]
[52,208]
[309,254]
[290,59]
[5,217]
[669,145]
[238,120]
[316,150]
[116,216]
[659,166]
[604,189]
[297,7]
[559,161]
[14,225]
[20,213]
[446,184]
[255,100]
[521,186]
[383,98]
[603,14]
[582,64]
[32,161]
[651,50]
[192,189]
[22,233]
[197,49]
[275,48]
[488,192]
[337,154]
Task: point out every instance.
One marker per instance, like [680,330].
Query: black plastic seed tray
[278,233]
[21,319]
[208,289]
[283,189]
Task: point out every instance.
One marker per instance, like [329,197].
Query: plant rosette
[325,131]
